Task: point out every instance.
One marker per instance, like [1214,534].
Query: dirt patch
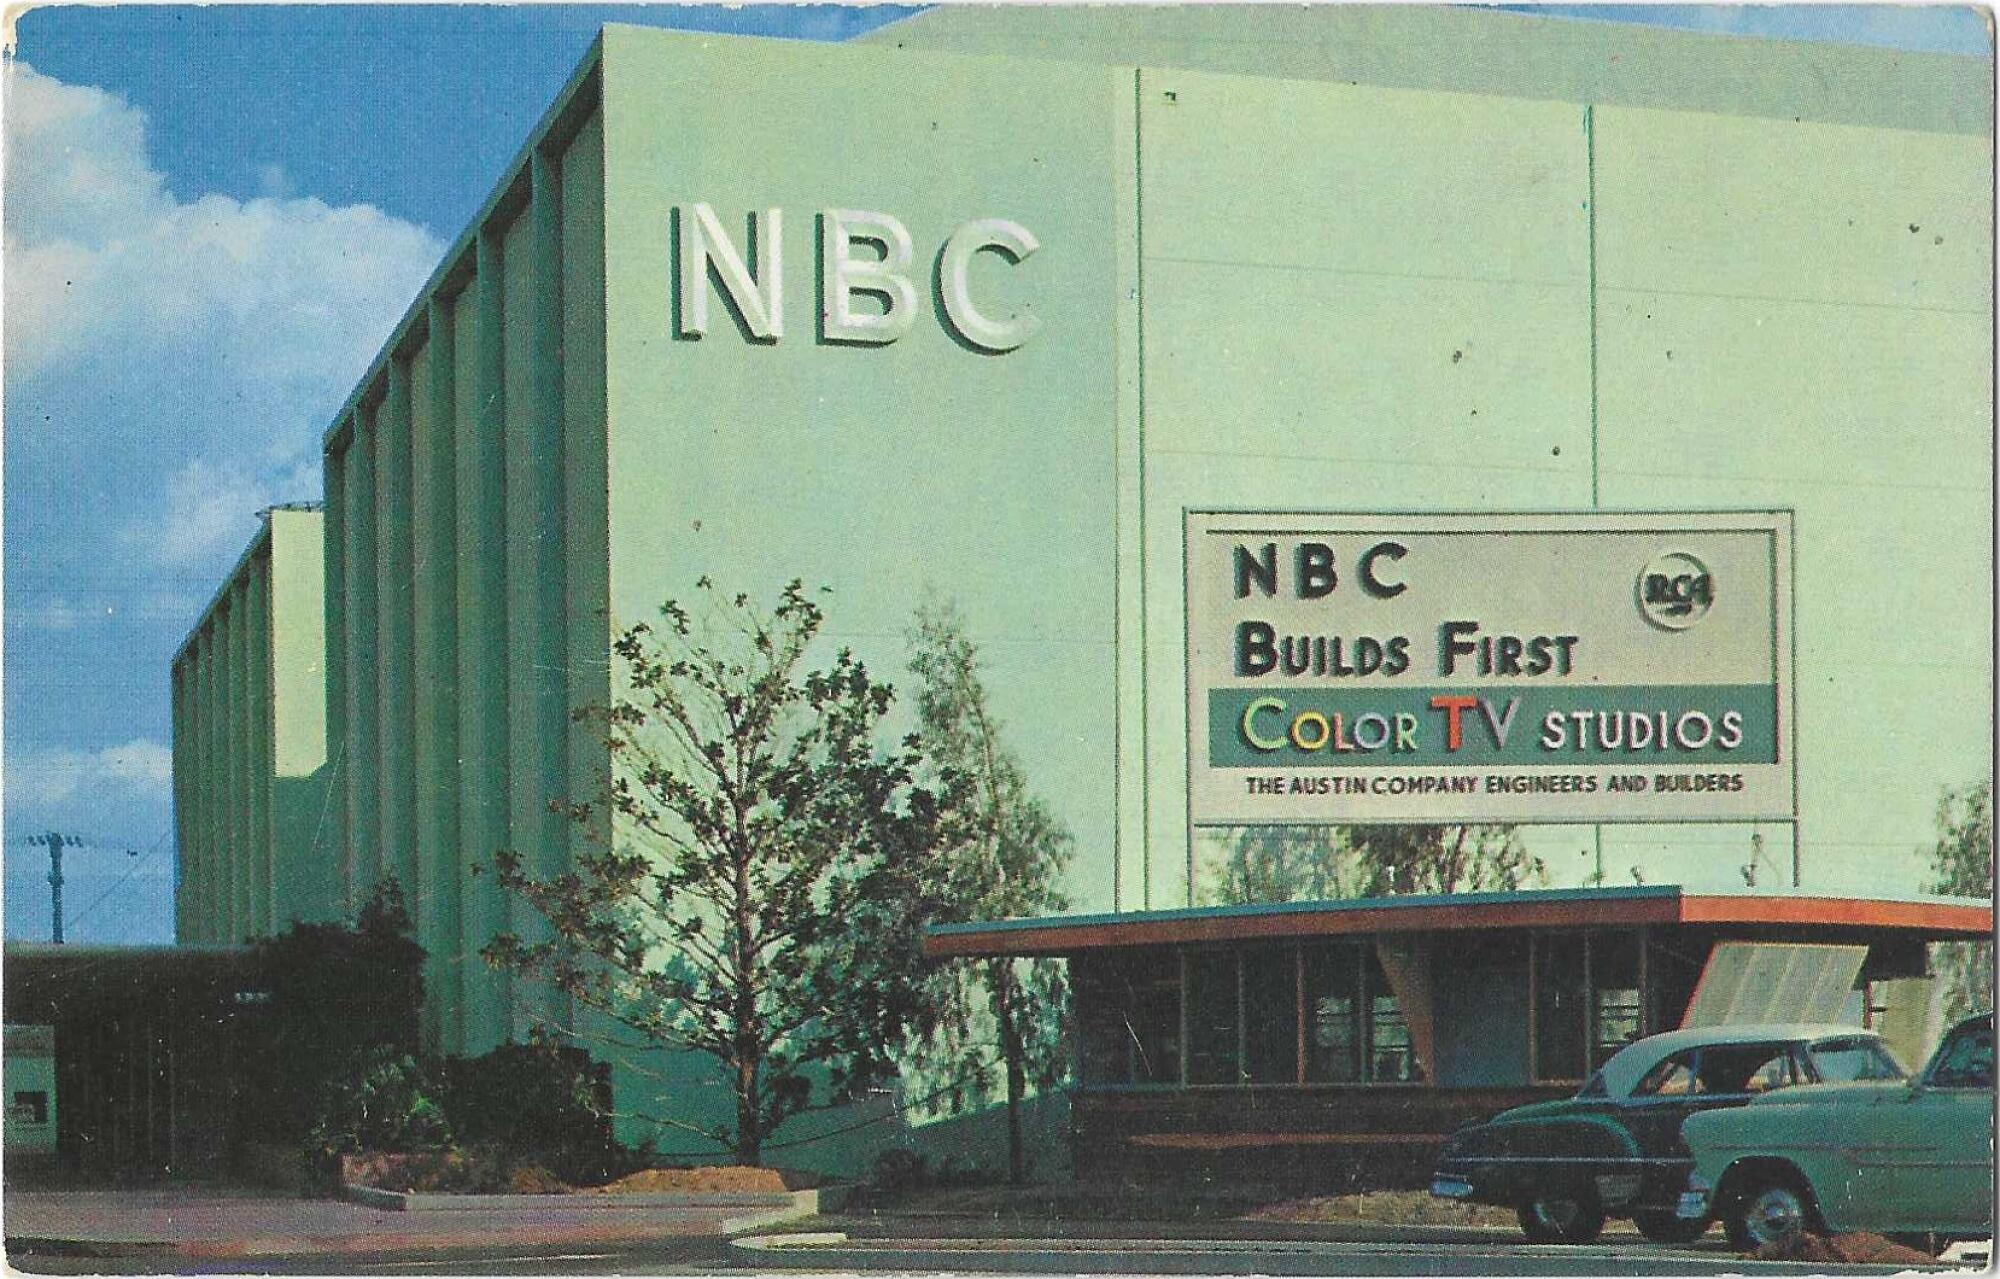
[454,1171]
[1388,1207]
[1859,1249]
[715,1180]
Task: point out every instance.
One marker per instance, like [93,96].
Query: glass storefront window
[1212,1011]
[1333,1011]
[1614,984]
[1560,1022]
[1128,1019]
[1271,1016]
[1391,1057]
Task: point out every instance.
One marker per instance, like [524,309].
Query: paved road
[1146,1252]
[1490,1254]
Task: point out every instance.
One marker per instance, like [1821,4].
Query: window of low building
[1271,1015]
[1128,1011]
[1392,1057]
[1561,994]
[1614,993]
[1213,1010]
[1355,1028]
[1334,1033]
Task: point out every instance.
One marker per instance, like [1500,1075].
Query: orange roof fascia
[1936,920]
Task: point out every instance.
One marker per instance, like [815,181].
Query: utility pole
[56,842]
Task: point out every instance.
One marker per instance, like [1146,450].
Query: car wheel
[1666,1227]
[1771,1207]
[1575,1218]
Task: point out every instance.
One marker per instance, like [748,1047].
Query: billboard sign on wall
[1546,668]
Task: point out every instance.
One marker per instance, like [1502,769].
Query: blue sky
[213,216]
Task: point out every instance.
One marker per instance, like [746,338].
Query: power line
[56,842]
[122,880]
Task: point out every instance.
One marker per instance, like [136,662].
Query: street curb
[803,1239]
[806,1201]
[49,1246]
[779,1209]
[364,1244]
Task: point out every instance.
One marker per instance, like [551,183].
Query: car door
[1952,1115]
[1922,1155]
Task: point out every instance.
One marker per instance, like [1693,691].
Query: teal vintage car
[1614,1149]
[1900,1158]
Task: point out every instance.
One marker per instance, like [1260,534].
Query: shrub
[336,993]
[386,1100]
[543,1104]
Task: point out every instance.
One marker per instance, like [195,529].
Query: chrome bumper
[1693,1205]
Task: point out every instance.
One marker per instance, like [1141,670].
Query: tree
[1441,859]
[336,993]
[1001,854]
[1266,864]
[752,899]
[1277,863]
[1962,866]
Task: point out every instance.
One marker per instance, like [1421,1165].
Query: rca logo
[1676,590]
[880,271]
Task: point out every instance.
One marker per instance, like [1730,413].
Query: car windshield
[1853,1057]
[1966,1060]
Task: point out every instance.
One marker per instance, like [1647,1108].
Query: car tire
[1666,1227]
[1772,1206]
[1574,1218]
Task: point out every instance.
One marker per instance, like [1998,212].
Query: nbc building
[1322,417]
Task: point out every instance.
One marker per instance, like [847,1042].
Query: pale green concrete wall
[1468,49]
[1408,301]
[249,744]
[882,472]
[1382,305]
[455,620]
[304,880]
[1800,315]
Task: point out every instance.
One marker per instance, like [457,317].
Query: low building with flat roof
[1295,1042]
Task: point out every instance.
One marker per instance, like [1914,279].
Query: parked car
[1910,1157]
[1615,1148]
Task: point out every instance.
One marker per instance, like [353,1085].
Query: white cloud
[171,361]
[210,513]
[206,341]
[141,768]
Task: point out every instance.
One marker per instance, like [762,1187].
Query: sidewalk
[206,1224]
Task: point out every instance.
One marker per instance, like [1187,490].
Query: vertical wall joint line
[1145,650]
[1590,224]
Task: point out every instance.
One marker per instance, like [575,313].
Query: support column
[257,672]
[435,686]
[481,539]
[363,735]
[330,876]
[395,659]
[537,714]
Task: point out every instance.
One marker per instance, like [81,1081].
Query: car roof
[1629,1064]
